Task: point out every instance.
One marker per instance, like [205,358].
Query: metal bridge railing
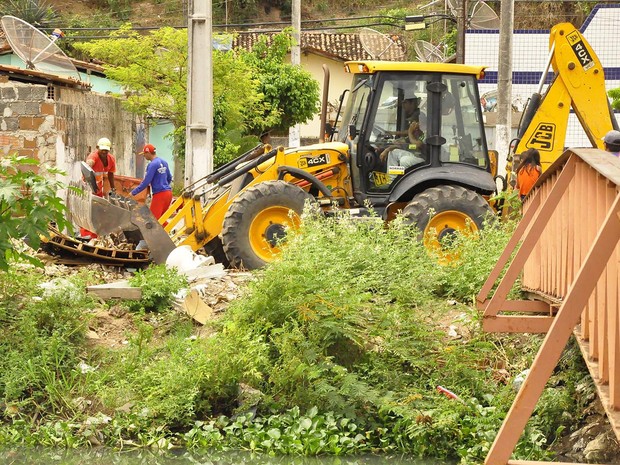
[567,251]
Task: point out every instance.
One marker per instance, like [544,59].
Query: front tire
[439,212]
[257,220]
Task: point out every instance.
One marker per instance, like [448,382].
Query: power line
[261,31]
[252,25]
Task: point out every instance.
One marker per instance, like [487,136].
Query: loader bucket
[118,214]
[96,213]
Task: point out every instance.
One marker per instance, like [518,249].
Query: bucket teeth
[97,214]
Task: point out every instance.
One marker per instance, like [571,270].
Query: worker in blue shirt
[158,176]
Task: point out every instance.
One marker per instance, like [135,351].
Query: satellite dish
[36,49]
[380,46]
[480,16]
[428,52]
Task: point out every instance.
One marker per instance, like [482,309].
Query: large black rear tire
[440,211]
[257,220]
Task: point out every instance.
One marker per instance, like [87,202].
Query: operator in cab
[406,153]
[411,113]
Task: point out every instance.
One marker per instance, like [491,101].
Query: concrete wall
[61,126]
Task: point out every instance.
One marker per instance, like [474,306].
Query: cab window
[396,131]
[461,123]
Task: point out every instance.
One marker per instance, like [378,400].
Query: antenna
[37,50]
[428,52]
[481,15]
[380,46]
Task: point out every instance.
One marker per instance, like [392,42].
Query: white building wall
[338,82]
[530,55]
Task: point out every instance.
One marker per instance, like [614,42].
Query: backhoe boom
[579,84]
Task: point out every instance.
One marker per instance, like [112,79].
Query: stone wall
[61,125]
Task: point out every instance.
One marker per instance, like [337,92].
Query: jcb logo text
[543,137]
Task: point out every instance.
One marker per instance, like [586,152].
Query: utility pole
[293,133]
[461,26]
[199,124]
[503,128]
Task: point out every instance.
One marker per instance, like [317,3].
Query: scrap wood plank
[195,307]
[116,290]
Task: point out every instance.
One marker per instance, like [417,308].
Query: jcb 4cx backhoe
[438,177]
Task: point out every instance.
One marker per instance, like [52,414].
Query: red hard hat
[148,148]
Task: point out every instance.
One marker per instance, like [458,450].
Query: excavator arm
[579,84]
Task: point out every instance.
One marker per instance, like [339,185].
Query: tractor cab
[410,126]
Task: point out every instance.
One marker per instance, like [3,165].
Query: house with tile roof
[318,49]
[332,50]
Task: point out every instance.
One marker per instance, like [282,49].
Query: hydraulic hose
[301,174]
[248,167]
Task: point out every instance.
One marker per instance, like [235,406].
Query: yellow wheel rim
[442,227]
[268,228]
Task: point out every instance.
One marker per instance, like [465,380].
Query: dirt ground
[110,324]
[143,13]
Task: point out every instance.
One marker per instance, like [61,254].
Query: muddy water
[37,456]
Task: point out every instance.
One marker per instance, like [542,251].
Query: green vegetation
[158,285]
[615,98]
[336,348]
[252,91]
[37,12]
[28,203]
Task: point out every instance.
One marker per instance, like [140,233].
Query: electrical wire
[243,25]
[261,31]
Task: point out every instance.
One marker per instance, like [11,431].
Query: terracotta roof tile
[33,75]
[337,45]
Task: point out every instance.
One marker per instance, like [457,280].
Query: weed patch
[338,347]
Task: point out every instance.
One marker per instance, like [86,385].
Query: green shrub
[42,340]
[28,203]
[36,12]
[349,326]
[158,284]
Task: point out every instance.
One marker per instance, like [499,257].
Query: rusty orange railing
[567,254]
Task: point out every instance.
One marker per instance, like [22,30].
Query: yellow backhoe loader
[240,212]
[438,175]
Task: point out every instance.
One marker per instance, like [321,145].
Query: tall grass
[337,347]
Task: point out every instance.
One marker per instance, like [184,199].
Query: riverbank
[339,348]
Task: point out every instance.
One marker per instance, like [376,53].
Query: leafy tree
[287,87]
[28,203]
[153,70]
[615,98]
